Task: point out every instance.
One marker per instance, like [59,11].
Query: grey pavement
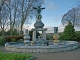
[69,55]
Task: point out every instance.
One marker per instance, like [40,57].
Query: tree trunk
[3,32]
[21,32]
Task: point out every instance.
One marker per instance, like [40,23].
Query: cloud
[57,19]
[28,27]
[50,29]
[77,28]
[61,28]
[51,5]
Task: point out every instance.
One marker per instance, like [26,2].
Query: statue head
[39,6]
[55,30]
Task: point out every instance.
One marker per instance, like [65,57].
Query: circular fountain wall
[61,46]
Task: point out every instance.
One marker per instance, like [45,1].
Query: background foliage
[2,40]
[69,33]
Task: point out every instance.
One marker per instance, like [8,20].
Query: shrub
[2,40]
[68,33]
[78,36]
[13,38]
[12,32]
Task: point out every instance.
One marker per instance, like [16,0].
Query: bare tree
[21,11]
[16,13]
[12,9]
[27,11]
[72,15]
[3,16]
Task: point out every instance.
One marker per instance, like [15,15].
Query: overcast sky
[53,12]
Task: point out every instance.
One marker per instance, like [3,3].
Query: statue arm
[42,8]
[34,8]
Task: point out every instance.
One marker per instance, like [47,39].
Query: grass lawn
[14,56]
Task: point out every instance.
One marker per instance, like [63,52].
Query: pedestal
[34,35]
[44,35]
[26,38]
[39,29]
[27,42]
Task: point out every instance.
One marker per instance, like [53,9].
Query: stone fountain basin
[62,46]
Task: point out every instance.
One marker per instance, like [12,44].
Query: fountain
[41,44]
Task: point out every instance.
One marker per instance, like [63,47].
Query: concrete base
[39,49]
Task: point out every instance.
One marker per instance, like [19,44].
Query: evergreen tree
[68,33]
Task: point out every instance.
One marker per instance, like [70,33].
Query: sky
[53,12]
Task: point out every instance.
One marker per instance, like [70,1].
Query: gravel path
[68,55]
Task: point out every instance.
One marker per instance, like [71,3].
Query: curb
[32,58]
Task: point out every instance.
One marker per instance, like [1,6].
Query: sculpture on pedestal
[26,38]
[56,36]
[38,9]
[38,23]
[39,26]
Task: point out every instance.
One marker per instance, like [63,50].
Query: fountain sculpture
[40,44]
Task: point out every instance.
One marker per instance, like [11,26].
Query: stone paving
[68,55]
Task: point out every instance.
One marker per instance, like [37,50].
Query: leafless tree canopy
[72,15]
[16,13]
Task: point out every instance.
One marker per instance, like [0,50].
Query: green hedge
[15,56]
